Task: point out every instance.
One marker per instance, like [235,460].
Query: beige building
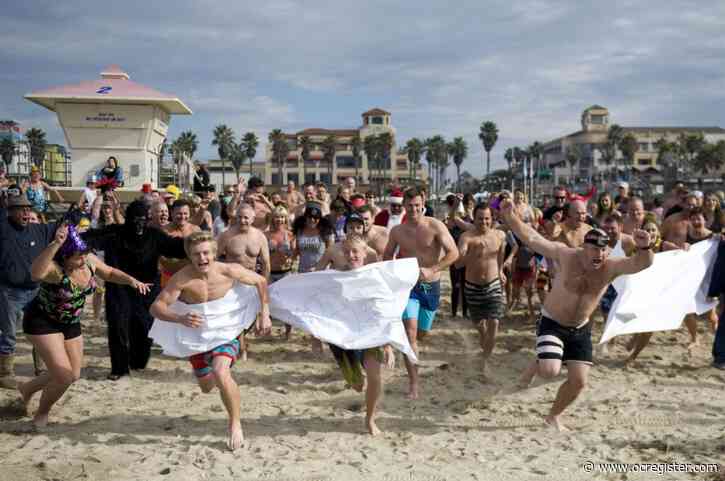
[374,122]
[595,122]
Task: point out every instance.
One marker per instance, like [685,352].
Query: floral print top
[64,302]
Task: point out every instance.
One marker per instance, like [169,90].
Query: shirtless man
[255,197]
[205,280]
[635,215]
[618,242]
[676,226]
[293,198]
[246,245]
[310,194]
[482,250]
[335,256]
[428,240]
[159,214]
[574,226]
[564,331]
[178,227]
[375,235]
[353,362]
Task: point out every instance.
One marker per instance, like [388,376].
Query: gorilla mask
[137,218]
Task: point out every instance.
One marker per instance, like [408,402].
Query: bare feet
[244,355]
[372,427]
[40,420]
[554,422]
[236,436]
[412,392]
[693,344]
[26,396]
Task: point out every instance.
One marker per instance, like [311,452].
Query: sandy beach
[302,424]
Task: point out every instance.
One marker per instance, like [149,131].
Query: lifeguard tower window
[597,119]
[376,120]
[135,170]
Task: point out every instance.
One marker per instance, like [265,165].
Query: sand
[302,424]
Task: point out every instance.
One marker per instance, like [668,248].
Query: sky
[531,66]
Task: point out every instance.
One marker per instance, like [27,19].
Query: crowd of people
[165,246]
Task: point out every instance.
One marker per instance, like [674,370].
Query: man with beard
[394,214]
[20,243]
[564,334]
[482,250]
[134,248]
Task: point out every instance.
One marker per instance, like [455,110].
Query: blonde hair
[351,240]
[199,238]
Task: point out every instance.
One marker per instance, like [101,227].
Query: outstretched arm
[110,274]
[638,262]
[528,234]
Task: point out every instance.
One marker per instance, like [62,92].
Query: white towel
[354,310]
[659,297]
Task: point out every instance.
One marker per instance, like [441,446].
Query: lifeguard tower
[112,116]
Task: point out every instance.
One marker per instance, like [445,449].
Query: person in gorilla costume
[134,248]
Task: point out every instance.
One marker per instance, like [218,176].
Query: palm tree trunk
[458,175]
[488,162]
[224,171]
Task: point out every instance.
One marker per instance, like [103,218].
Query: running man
[564,332]
[375,235]
[482,252]
[574,226]
[353,362]
[206,280]
[428,240]
[335,257]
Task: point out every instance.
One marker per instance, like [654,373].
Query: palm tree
[414,148]
[225,144]
[609,148]
[356,146]
[629,146]
[370,147]
[7,150]
[305,143]
[385,146]
[488,133]
[280,149]
[188,143]
[435,148]
[459,151]
[573,154]
[329,148]
[249,145]
[36,143]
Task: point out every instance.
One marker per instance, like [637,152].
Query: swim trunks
[554,341]
[351,362]
[202,362]
[608,300]
[423,304]
[484,301]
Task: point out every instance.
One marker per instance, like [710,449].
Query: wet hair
[199,237]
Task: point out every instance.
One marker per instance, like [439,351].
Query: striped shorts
[557,342]
[202,363]
[484,301]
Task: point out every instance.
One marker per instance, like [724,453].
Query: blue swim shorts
[423,304]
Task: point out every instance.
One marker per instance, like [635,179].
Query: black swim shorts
[554,341]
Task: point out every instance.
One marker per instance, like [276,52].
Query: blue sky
[442,68]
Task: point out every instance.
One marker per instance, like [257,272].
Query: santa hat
[584,198]
[396,197]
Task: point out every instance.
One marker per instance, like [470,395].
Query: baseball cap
[596,237]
